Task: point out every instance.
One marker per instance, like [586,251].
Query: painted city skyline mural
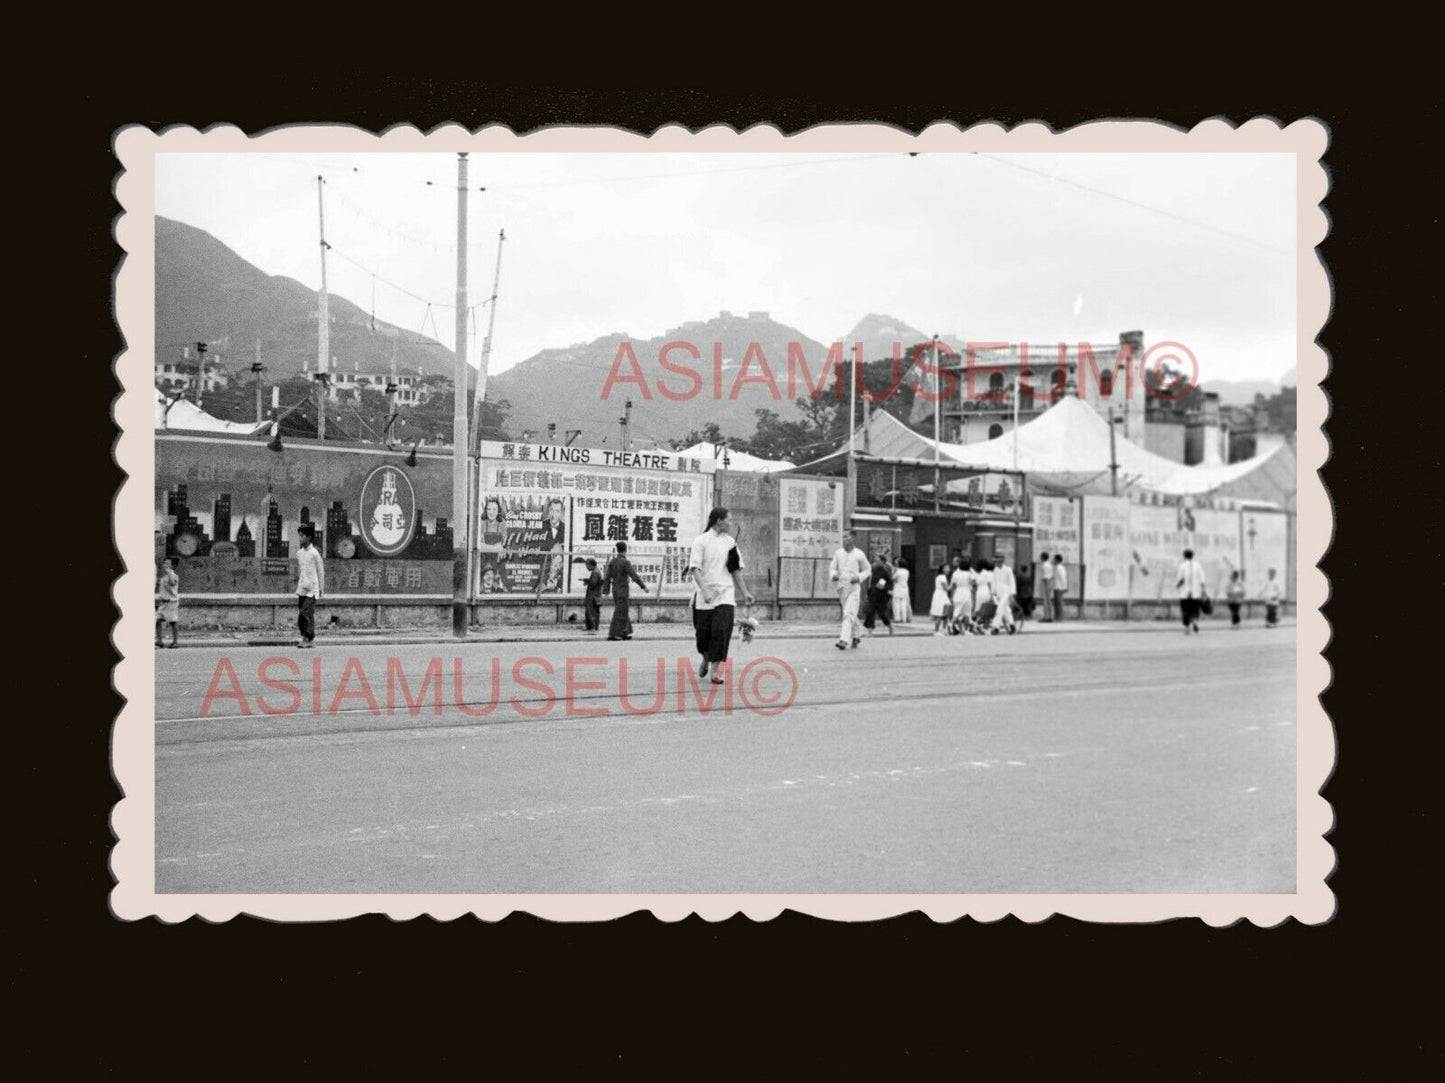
[232,512]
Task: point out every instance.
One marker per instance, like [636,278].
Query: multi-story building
[995,385]
[178,377]
[348,384]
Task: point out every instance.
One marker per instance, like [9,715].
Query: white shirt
[1272,592]
[310,572]
[1191,579]
[1004,584]
[900,583]
[1046,571]
[961,580]
[850,567]
[1061,577]
[710,557]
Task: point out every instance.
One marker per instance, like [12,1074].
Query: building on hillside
[347,384]
[982,405]
[178,377]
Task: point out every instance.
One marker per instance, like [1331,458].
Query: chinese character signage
[1056,527]
[545,509]
[812,517]
[232,510]
[810,529]
[388,510]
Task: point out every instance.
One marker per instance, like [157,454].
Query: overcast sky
[1187,247]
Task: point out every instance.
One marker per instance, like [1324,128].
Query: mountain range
[206,292]
[587,386]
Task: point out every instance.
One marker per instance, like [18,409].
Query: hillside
[206,292]
[566,386]
[1240,392]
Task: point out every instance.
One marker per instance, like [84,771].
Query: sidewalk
[567,633]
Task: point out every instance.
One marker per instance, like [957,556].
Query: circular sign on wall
[388,511]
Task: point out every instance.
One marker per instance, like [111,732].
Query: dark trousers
[1234,612]
[880,606]
[594,612]
[1271,614]
[306,617]
[714,628]
[1189,610]
[1058,605]
[621,626]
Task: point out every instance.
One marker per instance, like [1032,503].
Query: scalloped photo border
[133,743]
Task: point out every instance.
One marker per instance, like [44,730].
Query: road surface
[1142,761]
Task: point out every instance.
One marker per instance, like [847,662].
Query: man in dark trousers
[880,594]
[310,575]
[620,576]
[716,567]
[593,600]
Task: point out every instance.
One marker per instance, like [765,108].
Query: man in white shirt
[1192,591]
[717,569]
[849,570]
[1005,586]
[1273,594]
[1060,584]
[310,574]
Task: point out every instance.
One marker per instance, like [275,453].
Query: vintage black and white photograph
[581,523]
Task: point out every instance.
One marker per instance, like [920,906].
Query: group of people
[615,580]
[1193,587]
[977,599]
[1053,583]
[878,588]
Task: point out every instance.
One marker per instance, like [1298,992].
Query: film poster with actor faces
[545,509]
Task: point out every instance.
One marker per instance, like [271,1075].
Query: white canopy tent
[737,460]
[1065,449]
[181,414]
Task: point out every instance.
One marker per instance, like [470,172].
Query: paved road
[1089,762]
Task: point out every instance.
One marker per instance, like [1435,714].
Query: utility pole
[487,350]
[1113,459]
[937,427]
[258,368]
[626,421]
[323,319]
[850,492]
[391,390]
[200,371]
[1016,426]
[461,549]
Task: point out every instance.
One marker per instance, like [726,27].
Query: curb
[681,634]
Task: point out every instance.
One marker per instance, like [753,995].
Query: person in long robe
[880,594]
[620,577]
[902,594]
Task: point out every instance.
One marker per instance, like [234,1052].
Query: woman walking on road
[902,594]
[940,609]
[962,584]
[620,576]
